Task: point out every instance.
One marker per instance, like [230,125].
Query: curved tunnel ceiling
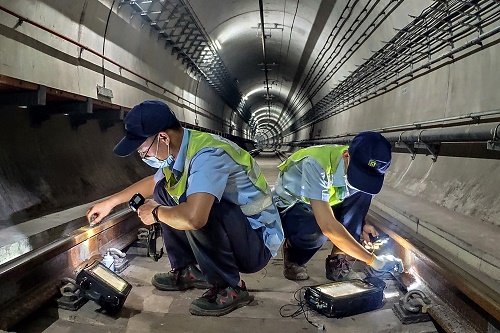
[237,27]
[322,57]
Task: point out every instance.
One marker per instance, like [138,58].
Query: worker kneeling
[213,203]
[324,192]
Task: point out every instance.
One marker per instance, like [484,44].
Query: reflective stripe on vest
[198,141]
[328,157]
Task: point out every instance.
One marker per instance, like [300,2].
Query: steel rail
[29,281]
[455,301]
[461,302]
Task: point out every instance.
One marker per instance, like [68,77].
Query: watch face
[136,201]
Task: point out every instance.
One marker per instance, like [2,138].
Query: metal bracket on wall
[404,145]
[432,148]
[494,144]
[24,99]
[401,144]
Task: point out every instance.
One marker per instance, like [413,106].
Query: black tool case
[346,298]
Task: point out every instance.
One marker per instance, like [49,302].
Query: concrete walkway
[151,310]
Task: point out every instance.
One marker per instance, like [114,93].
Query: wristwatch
[155,214]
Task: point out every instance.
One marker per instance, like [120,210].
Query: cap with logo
[369,158]
[144,120]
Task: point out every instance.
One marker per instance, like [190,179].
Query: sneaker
[338,268]
[218,301]
[180,279]
[292,270]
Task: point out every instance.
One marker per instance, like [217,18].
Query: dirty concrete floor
[149,310]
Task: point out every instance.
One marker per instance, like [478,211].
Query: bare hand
[145,212]
[97,212]
[367,230]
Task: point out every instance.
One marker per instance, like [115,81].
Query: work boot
[338,268]
[292,270]
[218,301]
[180,279]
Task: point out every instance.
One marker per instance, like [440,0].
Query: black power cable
[302,308]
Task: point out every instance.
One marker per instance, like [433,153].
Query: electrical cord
[302,308]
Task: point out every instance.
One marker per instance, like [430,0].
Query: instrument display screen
[344,289]
[112,279]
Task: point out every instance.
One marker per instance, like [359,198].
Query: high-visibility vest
[198,141]
[328,157]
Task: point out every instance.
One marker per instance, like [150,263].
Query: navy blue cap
[144,120]
[369,158]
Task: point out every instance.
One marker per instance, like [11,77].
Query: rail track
[460,302]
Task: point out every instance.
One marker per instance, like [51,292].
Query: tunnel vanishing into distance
[269,75]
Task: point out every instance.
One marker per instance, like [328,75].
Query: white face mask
[154,162]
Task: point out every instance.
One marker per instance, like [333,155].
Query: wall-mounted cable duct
[470,133]
[409,52]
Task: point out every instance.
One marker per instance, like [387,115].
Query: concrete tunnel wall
[469,83]
[34,55]
[52,167]
[467,185]
[47,169]
[47,182]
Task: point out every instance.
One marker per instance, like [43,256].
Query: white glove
[387,263]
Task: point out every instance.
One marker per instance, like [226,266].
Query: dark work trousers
[224,247]
[304,234]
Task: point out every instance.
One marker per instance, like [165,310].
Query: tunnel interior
[273,76]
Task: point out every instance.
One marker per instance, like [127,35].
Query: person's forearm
[190,215]
[144,186]
[337,233]
[178,217]
[345,242]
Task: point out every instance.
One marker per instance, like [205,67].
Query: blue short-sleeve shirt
[308,179]
[214,172]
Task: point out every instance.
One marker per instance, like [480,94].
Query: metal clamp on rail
[72,298]
[412,307]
